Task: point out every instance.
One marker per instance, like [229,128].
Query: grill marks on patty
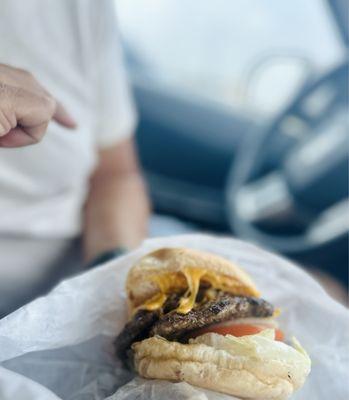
[174,326]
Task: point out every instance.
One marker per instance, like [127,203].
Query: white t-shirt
[72,48]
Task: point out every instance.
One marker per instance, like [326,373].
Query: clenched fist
[26,109]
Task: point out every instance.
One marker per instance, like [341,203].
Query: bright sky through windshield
[211,47]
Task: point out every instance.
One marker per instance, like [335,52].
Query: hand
[26,109]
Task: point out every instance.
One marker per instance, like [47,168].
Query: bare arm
[117,208]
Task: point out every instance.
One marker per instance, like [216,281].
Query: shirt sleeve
[115,110]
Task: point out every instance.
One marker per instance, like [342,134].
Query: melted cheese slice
[193,277]
[189,279]
[154,303]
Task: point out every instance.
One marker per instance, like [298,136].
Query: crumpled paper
[60,346]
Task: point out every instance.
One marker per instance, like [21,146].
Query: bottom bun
[252,367]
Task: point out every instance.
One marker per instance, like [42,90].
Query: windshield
[234,53]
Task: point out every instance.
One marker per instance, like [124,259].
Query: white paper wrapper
[60,346]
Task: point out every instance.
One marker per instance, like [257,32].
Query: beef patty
[174,326]
[136,329]
[139,326]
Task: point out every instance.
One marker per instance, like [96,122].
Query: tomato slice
[236,330]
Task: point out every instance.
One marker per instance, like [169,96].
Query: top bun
[171,262]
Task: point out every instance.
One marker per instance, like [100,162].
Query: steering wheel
[273,190]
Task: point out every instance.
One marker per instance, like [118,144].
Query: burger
[199,318]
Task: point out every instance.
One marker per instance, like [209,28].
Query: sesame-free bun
[251,367]
[140,285]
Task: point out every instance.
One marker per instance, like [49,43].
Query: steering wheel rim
[250,159]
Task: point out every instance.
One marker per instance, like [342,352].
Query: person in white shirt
[83,182]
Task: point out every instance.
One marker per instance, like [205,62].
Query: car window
[249,55]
